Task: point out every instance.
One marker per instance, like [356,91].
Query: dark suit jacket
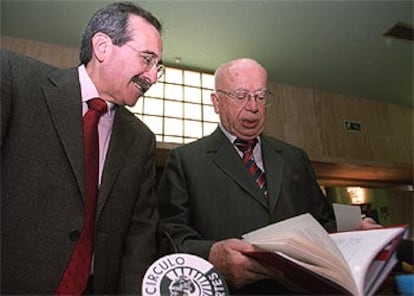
[207,195]
[42,185]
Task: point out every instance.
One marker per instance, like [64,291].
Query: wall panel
[382,153]
[315,121]
[59,56]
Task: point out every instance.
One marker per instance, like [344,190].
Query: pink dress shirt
[89,91]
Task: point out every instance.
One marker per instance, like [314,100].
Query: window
[178,108]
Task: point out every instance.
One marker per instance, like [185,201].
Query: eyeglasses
[241,97]
[149,60]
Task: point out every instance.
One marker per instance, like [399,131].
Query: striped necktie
[246,147]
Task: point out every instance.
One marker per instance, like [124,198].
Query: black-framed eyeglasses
[241,97]
[149,60]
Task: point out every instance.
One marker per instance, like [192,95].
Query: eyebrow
[246,90]
[150,52]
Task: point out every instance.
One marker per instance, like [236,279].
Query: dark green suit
[206,194]
[42,185]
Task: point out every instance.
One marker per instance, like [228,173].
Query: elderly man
[237,180]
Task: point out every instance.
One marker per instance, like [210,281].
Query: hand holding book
[348,217]
[239,270]
[341,262]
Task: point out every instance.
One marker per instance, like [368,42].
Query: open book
[353,262]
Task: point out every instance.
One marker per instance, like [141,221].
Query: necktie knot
[245,145]
[97,104]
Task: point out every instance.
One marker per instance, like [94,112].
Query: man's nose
[151,75]
[251,103]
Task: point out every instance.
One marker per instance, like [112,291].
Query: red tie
[75,277]
[246,147]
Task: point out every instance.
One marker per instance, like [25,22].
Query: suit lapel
[274,166]
[229,162]
[120,143]
[62,96]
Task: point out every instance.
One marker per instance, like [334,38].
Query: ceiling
[330,45]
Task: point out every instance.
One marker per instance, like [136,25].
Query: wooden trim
[336,174]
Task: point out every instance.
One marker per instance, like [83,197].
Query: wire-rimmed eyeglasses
[149,60]
[241,97]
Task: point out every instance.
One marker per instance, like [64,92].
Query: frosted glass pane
[193,129]
[192,78]
[173,127]
[140,116]
[154,123]
[162,78]
[208,128]
[153,106]
[192,111]
[174,109]
[192,94]
[173,75]
[138,106]
[207,97]
[189,140]
[174,92]
[207,80]
[170,139]
[159,138]
[209,114]
[156,90]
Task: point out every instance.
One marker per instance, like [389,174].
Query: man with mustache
[43,199]
[208,197]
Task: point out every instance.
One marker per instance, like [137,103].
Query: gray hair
[113,21]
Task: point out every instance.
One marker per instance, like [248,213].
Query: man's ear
[101,44]
[216,101]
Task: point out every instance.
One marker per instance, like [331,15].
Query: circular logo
[183,275]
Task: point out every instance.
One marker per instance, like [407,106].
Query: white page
[348,217]
[360,247]
[305,226]
[386,269]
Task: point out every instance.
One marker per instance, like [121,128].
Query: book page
[360,248]
[386,267]
[337,275]
[343,257]
[303,227]
[302,238]
[348,217]
[303,252]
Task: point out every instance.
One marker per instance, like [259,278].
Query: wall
[311,119]
[314,120]
[59,56]
[392,206]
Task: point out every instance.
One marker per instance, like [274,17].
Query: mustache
[143,83]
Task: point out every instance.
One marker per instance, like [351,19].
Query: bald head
[230,71]
[241,115]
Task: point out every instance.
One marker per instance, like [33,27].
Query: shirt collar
[88,88]
[230,136]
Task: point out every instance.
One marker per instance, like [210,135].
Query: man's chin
[248,134]
[138,92]
[131,102]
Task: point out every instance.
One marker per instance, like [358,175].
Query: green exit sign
[352,126]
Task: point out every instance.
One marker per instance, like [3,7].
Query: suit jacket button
[74,235]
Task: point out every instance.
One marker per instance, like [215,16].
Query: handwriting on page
[362,247]
[348,246]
